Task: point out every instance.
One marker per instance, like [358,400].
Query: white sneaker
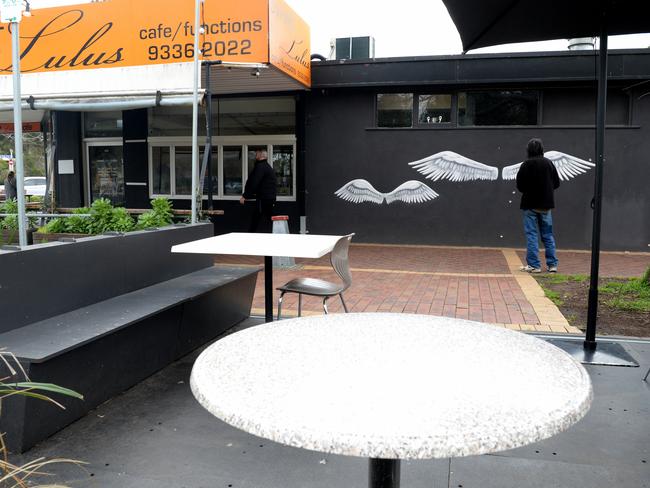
[529,269]
[552,269]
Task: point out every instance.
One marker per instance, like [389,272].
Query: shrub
[101,216]
[645,279]
[122,221]
[160,215]
[77,225]
[10,222]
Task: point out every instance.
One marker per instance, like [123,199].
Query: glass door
[106,172]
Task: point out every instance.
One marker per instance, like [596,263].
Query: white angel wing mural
[411,192]
[359,191]
[454,167]
[567,166]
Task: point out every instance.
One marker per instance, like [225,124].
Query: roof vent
[354,48]
[581,44]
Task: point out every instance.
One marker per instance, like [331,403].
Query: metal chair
[322,288]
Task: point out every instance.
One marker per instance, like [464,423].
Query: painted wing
[454,167]
[510,172]
[411,192]
[567,166]
[359,191]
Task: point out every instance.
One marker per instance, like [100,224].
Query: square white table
[268,245]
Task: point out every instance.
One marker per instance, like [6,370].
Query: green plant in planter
[78,225]
[101,216]
[55,226]
[9,222]
[122,221]
[160,215]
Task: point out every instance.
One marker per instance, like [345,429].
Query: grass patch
[632,294]
[552,295]
[558,278]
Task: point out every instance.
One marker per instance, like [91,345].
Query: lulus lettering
[84,56]
[300,57]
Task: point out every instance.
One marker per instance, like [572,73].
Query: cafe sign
[115,33]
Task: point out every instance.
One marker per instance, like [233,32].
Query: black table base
[268,288]
[383,473]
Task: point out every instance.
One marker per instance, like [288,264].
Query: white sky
[393,25]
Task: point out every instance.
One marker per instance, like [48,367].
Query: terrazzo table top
[394,386]
[258,244]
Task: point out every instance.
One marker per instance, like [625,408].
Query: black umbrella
[483,23]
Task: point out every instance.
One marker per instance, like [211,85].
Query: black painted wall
[68,187]
[136,157]
[342,144]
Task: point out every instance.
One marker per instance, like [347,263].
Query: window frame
[413,102]
[219,142]
[93,142]
[453,116]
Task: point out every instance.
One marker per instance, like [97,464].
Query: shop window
[103,124]
[161,170]
[214,169]
[498,107]
[170,167]
[183,170]
[106,172]
[283,167]
[395,110]
[434,109]
[232,171]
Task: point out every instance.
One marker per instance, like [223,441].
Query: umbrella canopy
[491,22]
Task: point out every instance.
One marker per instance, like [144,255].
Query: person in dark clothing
[537,179]
[11,191]
[261,187]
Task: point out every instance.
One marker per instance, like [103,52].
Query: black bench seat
[44,340]
[103,313]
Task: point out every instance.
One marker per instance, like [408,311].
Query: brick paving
[613,265]
[469,283]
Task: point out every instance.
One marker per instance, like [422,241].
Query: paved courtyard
[482,284]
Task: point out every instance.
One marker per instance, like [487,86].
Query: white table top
[251,244]
[394,386]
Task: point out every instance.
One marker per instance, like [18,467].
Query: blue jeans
[538,224]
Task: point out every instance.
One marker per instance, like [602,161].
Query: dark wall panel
[68,187]
[340,148]
[136,157]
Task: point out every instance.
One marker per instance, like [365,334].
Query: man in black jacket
[260,186]
[537,179]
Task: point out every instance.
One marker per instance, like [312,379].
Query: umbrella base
[606,354]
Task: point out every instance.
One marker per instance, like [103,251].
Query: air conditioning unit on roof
[354,48]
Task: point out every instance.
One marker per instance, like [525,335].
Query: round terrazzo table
[391,387]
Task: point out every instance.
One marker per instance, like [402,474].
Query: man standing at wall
[261,187]
[537,179]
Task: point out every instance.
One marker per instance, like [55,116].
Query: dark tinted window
[395,110]
[499,107]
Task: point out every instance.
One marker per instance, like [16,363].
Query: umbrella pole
[592,310]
